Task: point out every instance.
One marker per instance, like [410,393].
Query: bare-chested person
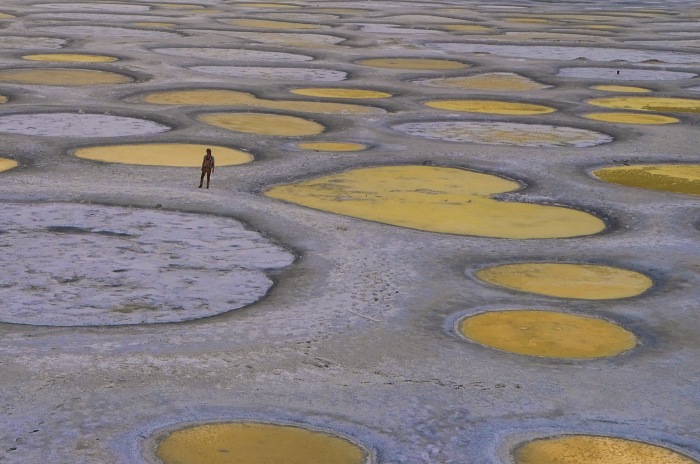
[207,167]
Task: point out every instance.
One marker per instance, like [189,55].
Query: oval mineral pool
[678,178]
[593,449]
[86,265]
[621,88]
[78,125]
[332,146]
[263,124]
[631,118]
[3,99]
[233,54]
[436,199]
[340,93]
[7,164]
[163,154]
[206,97]
[624,74]
[561,280]
[267,72]
[62,77]
[70,58]
[501,81]
[269,24]
[418,64]
[547,334]
[658,104]
[490,107]
[504,133]
[257,443]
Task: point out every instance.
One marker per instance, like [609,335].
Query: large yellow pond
[263,124]
[419,64]
[164,154]
[70,58]
[632,118]
[547,334]
[256,443]
[340,93]
[658,104]
[437,199]
[205,97]
[679,178]
[62,77]
[7,164]
[490,107]
[563,280]
[621,88]
[592,449]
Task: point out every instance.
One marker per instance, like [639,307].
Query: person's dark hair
[209,150]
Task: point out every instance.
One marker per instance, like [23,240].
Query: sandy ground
[356,336]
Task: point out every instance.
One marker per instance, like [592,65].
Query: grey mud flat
[356,335]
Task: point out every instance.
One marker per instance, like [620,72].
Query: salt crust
[77,125]
[261,72]
[77,265]
[234,54]
[625,74]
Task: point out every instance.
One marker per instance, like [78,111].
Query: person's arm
[212,165]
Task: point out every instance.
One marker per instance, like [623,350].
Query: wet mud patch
[564,280]
[504,133]
[586,449]
[62,77]
[437,199]
[78,125]
[233,54]
[275,73]
[624,74]
[76,265]
[678,178]
[547,334]
[499,81]
[263,124]
[207,97]
[255,443]
[163,154]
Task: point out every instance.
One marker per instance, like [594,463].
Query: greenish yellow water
[256,443]
[332,146]
[164,154]
[490,107]
[263,124]
[205,97]
[437,199]
[591,449]
[621,88]
[70,58]
[658,104]
[679,178]
[547,334]
[563,280]
[631,118]
[7,164]
[62,77]
[339,93]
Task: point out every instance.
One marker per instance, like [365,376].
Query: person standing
[207,167]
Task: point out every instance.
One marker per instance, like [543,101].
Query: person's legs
[201,179]
[208,176]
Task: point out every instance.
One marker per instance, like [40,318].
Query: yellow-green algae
[592,449]
[678,178]
[269,24]
[206,97]
[62,77]
[437,199]
[621,88]
[420,64]
[631,118]
[7,164]
[547,334]
[490,107]
[332,146]
[339,93]
[163,154]
[3,99]
[563,280]
[263,124]
[70,58]
[500,81]
[256,443]
[659,104]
